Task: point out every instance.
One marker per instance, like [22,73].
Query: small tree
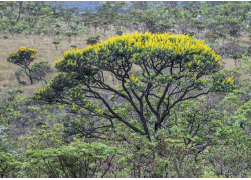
[23,57]
[74,46]
[56,44]
[175,61]
[57,34]
[8,164]
[20,73]
[80,159]
[40,70]
[92,40]
[119,32]
[68,34]
[236,57]
[75,35]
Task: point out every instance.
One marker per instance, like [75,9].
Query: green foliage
[20,73]
[121,51]
[8,114]
[68,34]
[56,44]
[4,145]
[39,70]
[79,159]
[8,164]
[176,116]
[92,40]
[40,123]
[23,57]
[119,32]
[74,46]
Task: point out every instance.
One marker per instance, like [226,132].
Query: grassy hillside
[47,52]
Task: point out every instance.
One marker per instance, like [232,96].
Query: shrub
[92,40]
[119,32]
[40,123]
[74,46]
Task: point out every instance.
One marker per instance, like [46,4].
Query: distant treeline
[93,6]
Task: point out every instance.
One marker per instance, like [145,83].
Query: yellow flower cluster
[34,51]
[39,91]
[22,49]
[45,87]
[63,73]
[195,75]
[100,111]
[59,60]
[133,78]
[231,80]
[71,62]
[12,54]
[74,52]
[187,72]
[178,44]
[97,110]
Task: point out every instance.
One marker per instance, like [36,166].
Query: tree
[80,159]
[4,145]
[150,19]
[68,34]
[40,70]
[176,62]
[8,164]
[20,9]
[56,44]
[92,40]
[236,57]
[142,5]
[23,57]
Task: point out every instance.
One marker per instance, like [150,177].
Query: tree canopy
[176,62]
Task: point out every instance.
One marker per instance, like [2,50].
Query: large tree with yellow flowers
[174,68]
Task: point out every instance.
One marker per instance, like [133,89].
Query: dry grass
[47,52]
[229,63]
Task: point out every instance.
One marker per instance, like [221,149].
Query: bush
[74,46]
[92,40]
[119,32]
[40,123]
[211,36]
[5,37]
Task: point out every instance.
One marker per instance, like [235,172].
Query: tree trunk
[20,9]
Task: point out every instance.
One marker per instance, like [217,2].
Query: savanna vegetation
[140,90]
